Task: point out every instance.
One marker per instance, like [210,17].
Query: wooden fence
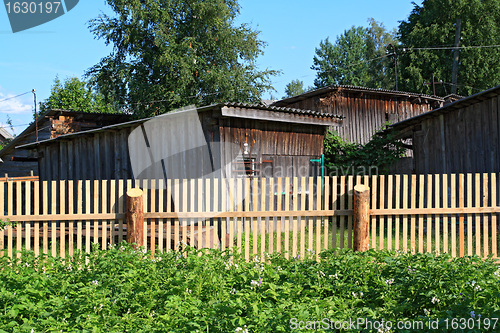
[297,216]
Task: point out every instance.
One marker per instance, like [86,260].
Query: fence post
[135,217]
[361,218]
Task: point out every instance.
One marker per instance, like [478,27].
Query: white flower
[243,329]
[389,282]
[95,283]
[435,300]
[497,273]
[335,276]
[233,291]
[427,312]
[256,283]
[321,273]
[475,286]
[188,291]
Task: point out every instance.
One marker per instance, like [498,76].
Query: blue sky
[65,47]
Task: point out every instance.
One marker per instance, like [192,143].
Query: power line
[3,100]
[450,47]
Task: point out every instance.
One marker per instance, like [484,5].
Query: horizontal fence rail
[299,217]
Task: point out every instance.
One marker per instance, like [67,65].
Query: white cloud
[18,105]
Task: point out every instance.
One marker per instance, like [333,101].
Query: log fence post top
[134,192]
[361,188]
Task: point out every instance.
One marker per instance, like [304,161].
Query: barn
[238,139]
[461,137]
[365,110]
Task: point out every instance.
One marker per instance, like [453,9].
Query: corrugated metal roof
[283,109]
[331,88]
[5,134]
[459,104]
[204,108]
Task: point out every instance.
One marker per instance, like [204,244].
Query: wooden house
[270,141]
[50,124]
[460,137]
[365,110]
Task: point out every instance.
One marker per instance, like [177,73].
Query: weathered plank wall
[462,140]
[280,149]
[24,168]
[365,112]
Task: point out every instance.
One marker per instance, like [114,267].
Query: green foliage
[122,290]
[375,157]
[76,95]
[169,54]
[358,57]
[294,88]
[433,25]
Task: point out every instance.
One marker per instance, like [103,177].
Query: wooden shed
[460,137]
[275,141]
[50,124]
[365,110]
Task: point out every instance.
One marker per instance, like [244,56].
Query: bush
[375,157]
[122,290]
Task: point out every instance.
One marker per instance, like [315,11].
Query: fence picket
[373,240]
[486,217]
[390,179]
[382,206]
[295,226]
[19,225]
[343,218]
[437,197]
[444,194]
[262,223]
[254,222]
[287,223]
[494,237]
[477,222]
[397,217]
[326,201]
[62,224]
[429,216]
[27,212]
[405,217]
[318,219]
[271,221]
[469,216]
[453,190]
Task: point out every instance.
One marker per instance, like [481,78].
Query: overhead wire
[6,99]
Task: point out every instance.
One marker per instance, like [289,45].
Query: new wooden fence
[296,216]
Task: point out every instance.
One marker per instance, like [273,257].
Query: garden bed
[122,290]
